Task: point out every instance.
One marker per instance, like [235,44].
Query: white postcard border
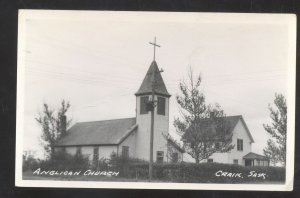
[289,19]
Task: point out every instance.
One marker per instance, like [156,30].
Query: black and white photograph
[155,100]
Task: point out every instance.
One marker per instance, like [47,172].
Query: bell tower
[152,85]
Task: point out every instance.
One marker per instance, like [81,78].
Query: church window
[125,151]
[159,156]
[78,150]
[217,145]
[63,149]
[96,154]
[143,105]
[161,106]
[239,144]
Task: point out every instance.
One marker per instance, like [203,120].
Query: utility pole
[152,115]
[152,129]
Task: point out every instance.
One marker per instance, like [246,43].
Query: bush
[30,163]
[205,173]
[124,165]
[101,164]
[62,161]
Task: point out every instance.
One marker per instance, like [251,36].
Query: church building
[129,137]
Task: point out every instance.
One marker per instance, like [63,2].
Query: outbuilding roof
[159,85]
[255,156]
[107,132]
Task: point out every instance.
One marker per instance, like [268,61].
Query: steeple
[159,85]
[152,97]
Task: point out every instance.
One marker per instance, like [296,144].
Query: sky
[97,61]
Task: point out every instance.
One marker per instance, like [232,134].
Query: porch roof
[253,156]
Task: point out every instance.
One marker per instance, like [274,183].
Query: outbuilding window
[258,162]
[210,160]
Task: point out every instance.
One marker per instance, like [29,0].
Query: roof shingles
[107,132]
[159,85]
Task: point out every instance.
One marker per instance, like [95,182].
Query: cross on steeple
[154,45]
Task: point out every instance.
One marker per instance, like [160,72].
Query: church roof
[107,132]
[255,156]
[159,85]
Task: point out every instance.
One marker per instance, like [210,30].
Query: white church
[130,137]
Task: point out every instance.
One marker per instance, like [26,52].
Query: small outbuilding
[253,159]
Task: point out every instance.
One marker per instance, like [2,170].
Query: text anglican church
[129,137]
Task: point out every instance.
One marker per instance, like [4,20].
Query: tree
[276,145]
[54,125]
[203,128]
[271,151]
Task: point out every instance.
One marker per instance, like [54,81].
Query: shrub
[30,163]
[124,165]
[206,173]
[100,164]
[62,161]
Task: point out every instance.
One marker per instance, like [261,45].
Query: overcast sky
[97,61]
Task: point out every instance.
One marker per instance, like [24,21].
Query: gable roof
[159,85]
[247,130]
[255,156]
[207,124]
[107,132]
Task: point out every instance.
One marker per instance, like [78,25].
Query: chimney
[63,124]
